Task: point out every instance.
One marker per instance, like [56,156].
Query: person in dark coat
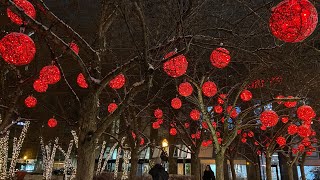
[208,174]
[158,172]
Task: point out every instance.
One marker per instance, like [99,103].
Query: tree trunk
[303,174]
[268,166]
[195,165]
[134,163]
[233,170]
[220,165]
[290,172]
[87,145]
[85,162]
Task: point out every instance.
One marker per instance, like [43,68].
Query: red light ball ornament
[306,113]
[222,98]
[160,121]
[290,104]
[279,97]
[304,131]
[243,140]
[173,131]
[285,119]
[141,141]
[185,89]
[176,103]
[220,57]
[40,86]
[50,74]
[158,113]
[82,81]
[281,141]
[52,123]
[218,109]
[155,125]
[117,82]
[250,134]
[246,95]
[186,125]
[269,118]
[232,111]
[177,66]
[195,115]
[292,129]
[209,89]
[17,49]
[30,101]
[112,107]
[26,6]
[75,48]
[293,20]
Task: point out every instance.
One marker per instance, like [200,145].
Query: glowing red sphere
[30,101]
[232,111]
[269,118]
[246,95]
[185,89]
[177,66]
[141,141]
[292,129]
[112,107]
[52,123]
[243,140]
[50,74]
[281,141]
[263,128]
[285,119]
[176,103]
[117,82]
[218,109]
[304,131]
[209,89]
[26,6]
[279,97]
[306,113]
[222,98]
[75,48]
[293,20]
[220,57]
[160,121]
[158,113]
[186,125]
[155,125]
[290,104]
[81,81]
[173,131]
[17,49]
[195,115]
[40,86]
[204,125]
[244,135]
[250,134]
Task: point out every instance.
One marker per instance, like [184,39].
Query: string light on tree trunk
[293,20]
[27,8]
[17,49]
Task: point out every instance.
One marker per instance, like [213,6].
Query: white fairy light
[115,175]
[75,137]
[48,157]
[17,144]
[125,167]
[67,161]
[100,157]
[4,155]
[108,157]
